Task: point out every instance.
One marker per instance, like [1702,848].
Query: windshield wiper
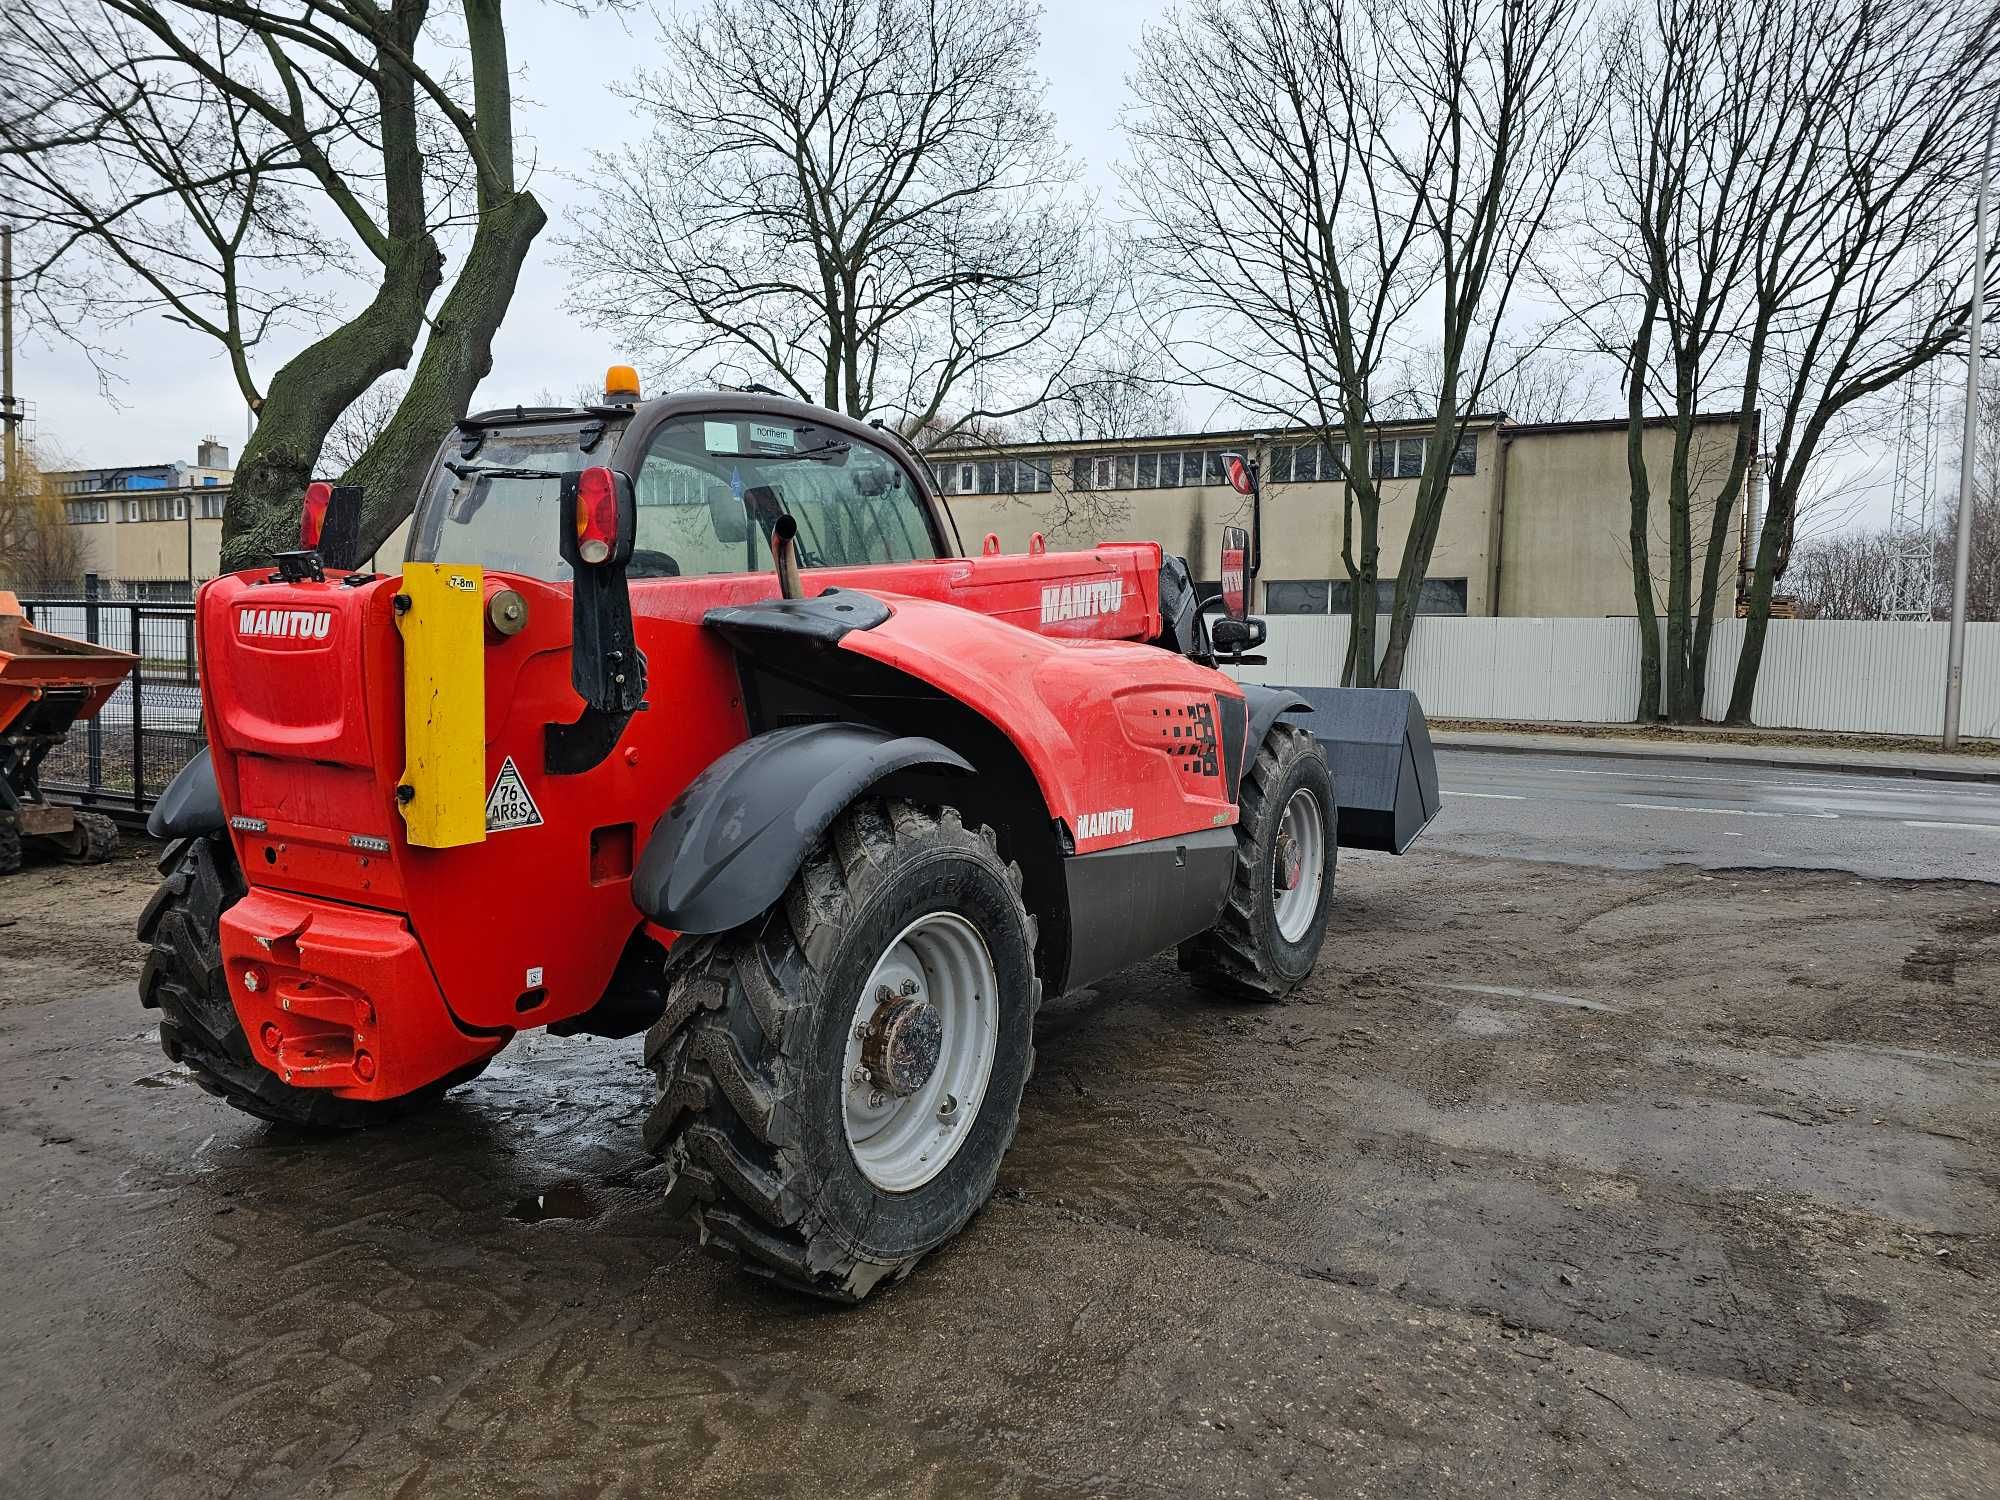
[836,446]
[499,471]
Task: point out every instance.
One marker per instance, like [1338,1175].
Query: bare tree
[189,146]
[1324,185]
[1533,379]
[357,429]
[1845,576]
[861,202]
[1771,180]
[1982,583]
[39,549]
[1883,293]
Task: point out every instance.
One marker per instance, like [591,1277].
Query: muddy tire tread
[1228,959]
[729,1057]
[97,841]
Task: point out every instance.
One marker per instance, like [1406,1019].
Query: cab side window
[714,484]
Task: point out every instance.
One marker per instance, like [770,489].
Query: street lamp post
[1954,675]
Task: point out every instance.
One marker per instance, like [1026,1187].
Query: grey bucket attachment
[1384,770]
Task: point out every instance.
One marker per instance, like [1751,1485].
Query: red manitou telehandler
[690,717]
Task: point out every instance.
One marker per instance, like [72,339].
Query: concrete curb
[1743,755]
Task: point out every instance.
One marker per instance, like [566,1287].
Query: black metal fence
[123,759]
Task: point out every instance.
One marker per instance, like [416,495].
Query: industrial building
[1537,520]
[149,527]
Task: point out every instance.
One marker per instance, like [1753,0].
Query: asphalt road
[1637,815]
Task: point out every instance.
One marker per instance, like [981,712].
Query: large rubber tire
[1244,956]
[10,844]
[93,841]
[749,1056]
[183,980]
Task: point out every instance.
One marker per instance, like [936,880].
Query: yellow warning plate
[443,794]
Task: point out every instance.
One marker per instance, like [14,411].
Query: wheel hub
[1290,862]
[904,1040]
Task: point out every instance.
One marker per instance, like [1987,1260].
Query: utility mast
[1913,508]
[10,407]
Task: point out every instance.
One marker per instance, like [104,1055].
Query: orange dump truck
[47,683]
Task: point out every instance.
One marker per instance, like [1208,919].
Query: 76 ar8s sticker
[510,804]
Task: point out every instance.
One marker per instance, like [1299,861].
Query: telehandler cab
[690,717]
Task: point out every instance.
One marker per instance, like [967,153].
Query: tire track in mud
[1708,1277]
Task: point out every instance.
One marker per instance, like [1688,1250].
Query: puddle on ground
[565,1200]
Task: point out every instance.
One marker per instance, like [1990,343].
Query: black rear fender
[730,844]
[191,804]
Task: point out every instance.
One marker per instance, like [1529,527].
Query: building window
[1410,458]
[1212,469]
[1170,471]
[1127,478]
[131,510]
[1307,463]
[1149,471]
[1465,457]
[1103,472]
[1436,596]
[1441,596]
[1297,596]
[180,507]
[211,507]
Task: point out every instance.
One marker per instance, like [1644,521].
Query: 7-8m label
[510,804]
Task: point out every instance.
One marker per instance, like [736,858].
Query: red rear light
[596,515]
[312,516]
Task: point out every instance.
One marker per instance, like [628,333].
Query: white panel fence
[1884,678]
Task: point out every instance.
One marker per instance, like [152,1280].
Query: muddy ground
[1558,1181]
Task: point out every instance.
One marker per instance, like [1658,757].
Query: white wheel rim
[1300,853]
[900,1142]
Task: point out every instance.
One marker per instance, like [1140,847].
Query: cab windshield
[709,490]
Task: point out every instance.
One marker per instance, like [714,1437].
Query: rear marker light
[247,825]
[312,515]
[368,843]
[596,515]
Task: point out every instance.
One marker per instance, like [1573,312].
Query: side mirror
[1235,579]
[1246,544]
[1232,637]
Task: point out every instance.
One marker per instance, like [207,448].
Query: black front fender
[191,804]
[732,841]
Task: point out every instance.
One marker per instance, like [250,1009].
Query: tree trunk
[1642,525]
[459,351]
[1361,597]
[457,356]
[316,385]
[1680,545]
[1770,546]
[1416,565]
[308,395]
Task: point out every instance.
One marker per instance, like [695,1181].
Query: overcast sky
[177,389]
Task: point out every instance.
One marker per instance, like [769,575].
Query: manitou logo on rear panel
[1081,601]
[1099,825]
[300,625]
